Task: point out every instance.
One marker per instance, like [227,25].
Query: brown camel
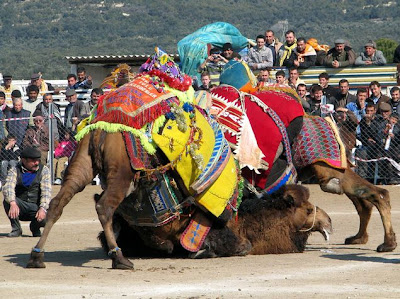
[363,194]
[275,224]
[105,154]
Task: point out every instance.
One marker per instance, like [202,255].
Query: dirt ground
[78,268]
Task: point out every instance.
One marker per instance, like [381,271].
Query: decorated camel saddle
[171,142]
[255,122]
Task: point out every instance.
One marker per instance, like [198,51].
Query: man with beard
[289,46]
[27,193]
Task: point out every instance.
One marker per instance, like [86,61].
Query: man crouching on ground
[27,193]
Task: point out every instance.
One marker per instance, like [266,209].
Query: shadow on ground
[65,258]
[361,257]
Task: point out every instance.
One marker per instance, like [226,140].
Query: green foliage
[387,46]
[38,34]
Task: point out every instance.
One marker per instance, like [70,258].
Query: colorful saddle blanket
[319,141]
[256,134]
[135,104]
[212,182]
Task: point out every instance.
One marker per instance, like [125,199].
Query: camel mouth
[326,234]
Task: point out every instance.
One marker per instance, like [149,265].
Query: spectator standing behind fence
[358,107]
[7,87]
[343,96]
[395,100]
[43,108]
[370,142]
[302,92]
[228,53]
[84,81]
[9,156]
[72,80]
[328,90]
[391,147]
[2,114]
[376,95]
[62,153]
[18,120]
[27,193]
[38,136]
[371,56]
[341,55]
[70,115]
[32,101]
[44,87]
[260,56]
[85,109]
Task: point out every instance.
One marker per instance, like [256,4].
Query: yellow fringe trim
[114,128]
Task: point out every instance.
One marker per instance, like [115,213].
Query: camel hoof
[119,261]
[384,247]
[36,260]
[356,240]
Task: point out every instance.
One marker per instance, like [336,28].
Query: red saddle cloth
[265,129]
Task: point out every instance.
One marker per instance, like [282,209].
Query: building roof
[131,59]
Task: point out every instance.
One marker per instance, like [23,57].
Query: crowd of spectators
[373,115]
[26,122]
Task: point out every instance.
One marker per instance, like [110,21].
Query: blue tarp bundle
[193,48]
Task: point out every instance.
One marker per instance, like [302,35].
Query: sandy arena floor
[78,268]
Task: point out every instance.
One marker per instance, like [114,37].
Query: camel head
[307,217]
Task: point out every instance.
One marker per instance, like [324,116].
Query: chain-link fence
[373,147]
[375,156]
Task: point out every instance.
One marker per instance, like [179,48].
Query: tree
[387,46]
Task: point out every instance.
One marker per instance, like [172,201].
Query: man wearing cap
[27,193]
[38,136]
[7,87]
[44,87]
[340,56]
[72,110]
[228,53]
[371,56]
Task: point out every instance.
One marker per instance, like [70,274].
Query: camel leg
[118,178]
[363,195]
[364,210]
[79,174]
[356,187]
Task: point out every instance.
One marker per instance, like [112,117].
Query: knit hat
[31,152]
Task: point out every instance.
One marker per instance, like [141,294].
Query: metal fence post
[51,142]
